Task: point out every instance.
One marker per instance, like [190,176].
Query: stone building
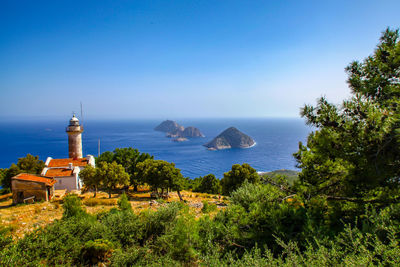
[28,187]
[74,131]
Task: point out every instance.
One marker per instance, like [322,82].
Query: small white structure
[66,171]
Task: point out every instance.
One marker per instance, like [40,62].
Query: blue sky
[175,59]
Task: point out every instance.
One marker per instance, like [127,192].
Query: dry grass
[25,218]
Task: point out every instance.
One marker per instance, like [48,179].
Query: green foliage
[237,176]
[259,228]
[28,164]
[377,77]
[160,174]
[5,237]
[290,176]
[207,207]
[353,155]
[123,203]
[128,158]
[91,178]
[72,207]
[207,184]
[112,175]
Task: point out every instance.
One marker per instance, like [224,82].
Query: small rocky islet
[230,138]
[178,132]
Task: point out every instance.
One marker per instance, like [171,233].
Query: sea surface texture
[277,140]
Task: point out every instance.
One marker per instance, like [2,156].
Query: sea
[276,141]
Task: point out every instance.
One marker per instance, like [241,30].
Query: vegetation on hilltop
[29,164]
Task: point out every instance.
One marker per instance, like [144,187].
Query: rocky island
[230,138]
[178,132]
[169,126]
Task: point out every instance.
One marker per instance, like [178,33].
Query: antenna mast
[98,153]
[81,114]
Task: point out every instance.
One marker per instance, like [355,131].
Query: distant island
[230,138]
[178,132]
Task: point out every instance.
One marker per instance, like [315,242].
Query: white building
[66,171]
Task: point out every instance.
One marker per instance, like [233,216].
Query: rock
[153,203]
[180,139]
[230,138]
[197,205]
[191,132]
[174,130]
[169,126]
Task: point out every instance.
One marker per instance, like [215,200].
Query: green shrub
[208,184]
[237,176]
[5,236]
[94,252]
[207,207]
[123,203]
[125,227]
[72,207]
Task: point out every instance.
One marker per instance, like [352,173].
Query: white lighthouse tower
[74,131]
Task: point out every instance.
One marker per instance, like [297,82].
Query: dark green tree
[354,153]
[128,158]
[112,175]
[208,184]
[91,178]
[29,164]
[160,174]
[237,176]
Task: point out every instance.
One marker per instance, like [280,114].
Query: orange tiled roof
[35,178]
[65,162]
[58,172]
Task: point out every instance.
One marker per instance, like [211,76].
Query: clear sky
[174,59]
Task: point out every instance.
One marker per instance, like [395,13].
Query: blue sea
[277,140]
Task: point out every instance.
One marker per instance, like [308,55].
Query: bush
[237,176]
[207,207]
[208,184]
[125,227]
[123,203]
[96,251]
[72,207]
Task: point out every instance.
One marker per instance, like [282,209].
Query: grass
[91,202]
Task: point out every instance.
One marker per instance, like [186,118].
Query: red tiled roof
[58,172]
[34,178]
[66,162]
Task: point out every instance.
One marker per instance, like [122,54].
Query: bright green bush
[123,203]
[207,207]
[72,207]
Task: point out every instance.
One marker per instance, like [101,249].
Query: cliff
[230,138]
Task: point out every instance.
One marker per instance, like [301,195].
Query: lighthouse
[74,131]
